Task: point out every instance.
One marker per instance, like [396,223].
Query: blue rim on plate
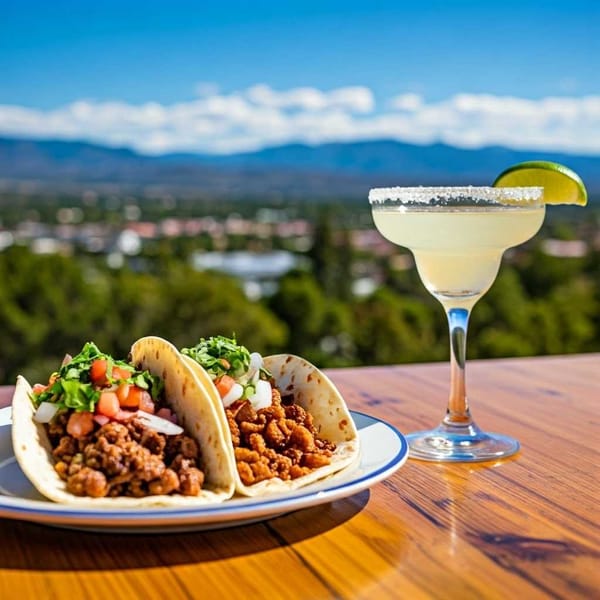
[383,450]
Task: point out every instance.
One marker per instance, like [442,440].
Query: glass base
[465,443]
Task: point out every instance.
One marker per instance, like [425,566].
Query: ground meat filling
[126,459]
[278,441]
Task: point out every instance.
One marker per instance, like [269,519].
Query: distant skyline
[236,76]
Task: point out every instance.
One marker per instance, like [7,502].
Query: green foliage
[568,315]
[331,256]
[301,304]
[395,329]
[509,321]
[194,305]
[541,272]
[501,319]
[46,304]
[51,304]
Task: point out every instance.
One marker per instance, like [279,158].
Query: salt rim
[442,195]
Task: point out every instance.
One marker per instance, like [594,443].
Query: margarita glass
[457,236]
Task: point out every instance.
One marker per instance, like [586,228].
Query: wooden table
[524,528]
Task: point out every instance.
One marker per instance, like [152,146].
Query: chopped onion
[256,362]
[45,412]
[263,395]
[123,415]
[158,423]
[235,393]
[167,413]
[101,419]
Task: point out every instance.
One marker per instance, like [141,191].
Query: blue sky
[139,69]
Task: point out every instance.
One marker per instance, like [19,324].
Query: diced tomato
[224,384]
[108,404]
[145,400]
[98,371]
[119,373]
[38,388]
[123,396]
[80,424]
[131,396]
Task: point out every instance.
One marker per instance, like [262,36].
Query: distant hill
[336,169]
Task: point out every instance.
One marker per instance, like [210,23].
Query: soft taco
[285,423]
[111,433]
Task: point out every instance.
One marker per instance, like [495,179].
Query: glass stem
[457,413]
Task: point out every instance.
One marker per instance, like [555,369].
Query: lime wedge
[561,184]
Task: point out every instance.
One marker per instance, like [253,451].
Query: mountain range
[326,170]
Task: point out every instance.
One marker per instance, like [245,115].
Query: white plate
[383,451]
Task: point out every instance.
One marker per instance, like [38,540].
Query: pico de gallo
[93,386]
[237,373]
[112,432]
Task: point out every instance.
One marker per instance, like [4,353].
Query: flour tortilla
[314,392]
[33,451]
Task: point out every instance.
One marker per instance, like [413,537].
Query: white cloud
[409,102]
[261,116]
[354,99]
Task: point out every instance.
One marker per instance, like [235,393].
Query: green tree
[393,329]
[199,304]
[563,322]
[501,319]
[131,305]
[541,272]
[47,308]
[50,305]
[332,256]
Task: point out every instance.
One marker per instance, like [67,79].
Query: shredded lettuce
[220,355]
[210,352]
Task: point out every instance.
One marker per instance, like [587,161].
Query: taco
[284,421]
[105,432]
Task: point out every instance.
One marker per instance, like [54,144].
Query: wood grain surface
[523,528]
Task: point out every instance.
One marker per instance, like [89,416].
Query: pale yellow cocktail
[458,251]
[457,236]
